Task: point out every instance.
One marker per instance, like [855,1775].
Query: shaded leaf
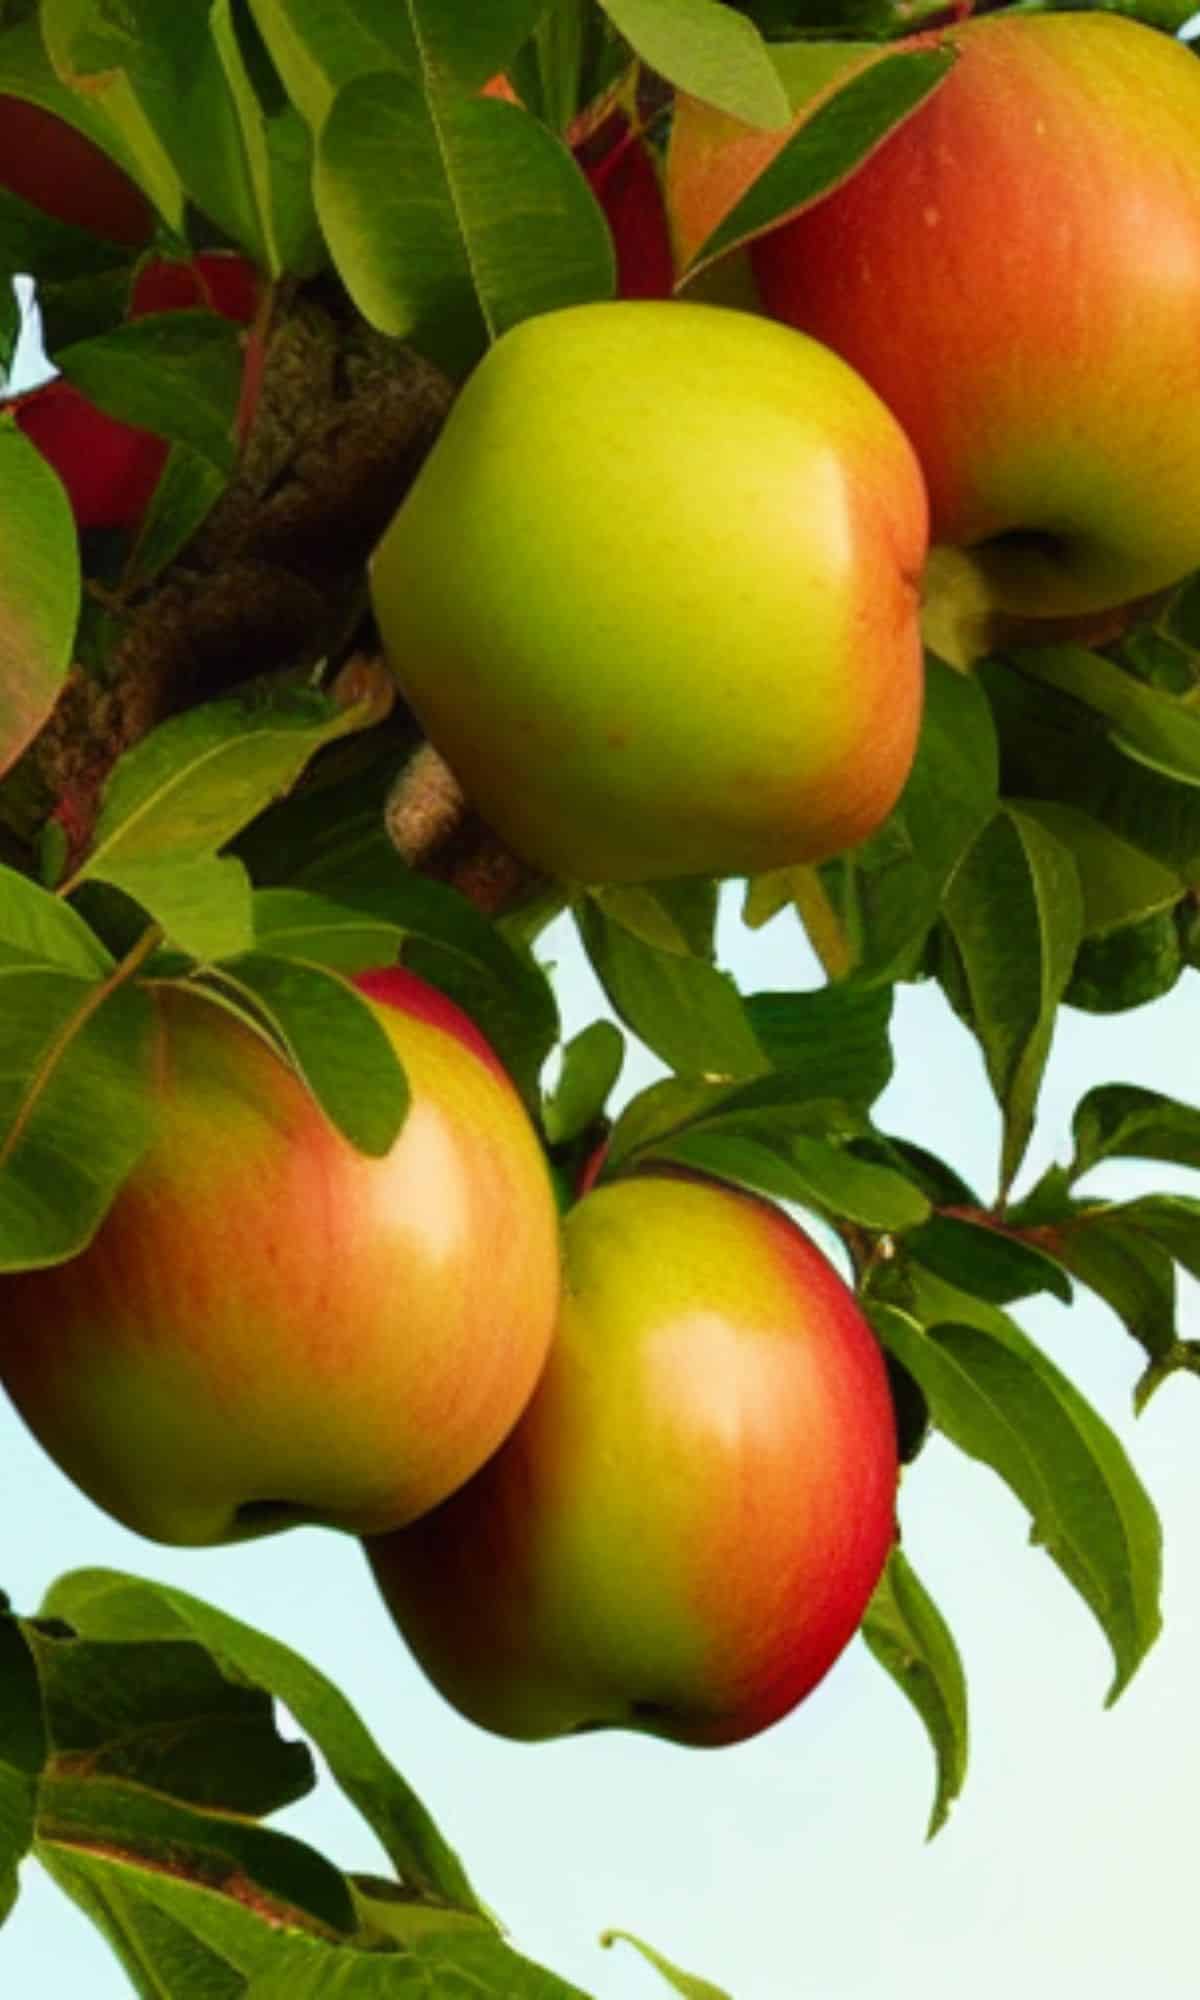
[991,1261]
[22,1752]
[836,1037]
[688,1012]
[591,1064]
[451,220]
[40,926]
[1015,912]
[1124,1121]
[800,1170]
[912,1641]
[104,1604]
[74,1107]
[1000,1399]
[334,1039]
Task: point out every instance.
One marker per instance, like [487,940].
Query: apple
[622,174]
[684,1530]
[110,469]
[222,280]
[271,1327]
[654,594]
[1016,271]
[49,164]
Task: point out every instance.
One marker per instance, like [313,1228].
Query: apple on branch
[684,1530]
[654,594]
[271,1327]
[1016,271]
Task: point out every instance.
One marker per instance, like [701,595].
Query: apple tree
[284,258]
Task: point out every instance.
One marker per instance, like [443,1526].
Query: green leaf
[769,1109]
[22,1754]
[800,1170]
[1172,1220]
[317,50]
[829,145]
[1132,1273]
[202,902]
[451,945]
[591,1064]
[686,1983]
[451,220]
[688,1012]
[104,1604]
[74,1107]
[1119,883]
[912,1641]
[1127,968]
[1123,1121]
[39,591]
[196,780]
[293,923]
[890,890]
[1154,728]
[672,916]
[990,1260]
[162,73]
[1055,747]
[708,50]
[37,925]
[1001,1400]
[836,1038]
[162,1716]
[277,154]
[334,1039]
[176,373]
[1015,912]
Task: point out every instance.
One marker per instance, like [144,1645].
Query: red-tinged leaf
[39,592]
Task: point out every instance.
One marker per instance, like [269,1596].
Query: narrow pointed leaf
[912,1641]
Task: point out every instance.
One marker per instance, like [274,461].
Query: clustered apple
[269,1326]
[1016,271]
[684,1529]
[654,594]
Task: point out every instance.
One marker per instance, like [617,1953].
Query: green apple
[272,1327]
[654,594]
[1016,270]
[683,1531]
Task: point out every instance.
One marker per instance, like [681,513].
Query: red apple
[270,1326]
[1016,271]
[109,469]
[622,174]
[49,164]
[685,1528]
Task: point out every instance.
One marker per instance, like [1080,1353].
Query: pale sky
[793,1867]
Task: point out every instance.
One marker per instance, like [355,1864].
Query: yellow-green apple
[270,1326]
[52,166]
[683,1531]
[654,594]
[1016,270]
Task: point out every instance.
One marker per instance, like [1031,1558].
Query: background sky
[793,1867]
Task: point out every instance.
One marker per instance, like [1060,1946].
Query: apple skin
[110,469]
[47,163]
[654,594]
[683,1532]
[1016,270]
[270,1327]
